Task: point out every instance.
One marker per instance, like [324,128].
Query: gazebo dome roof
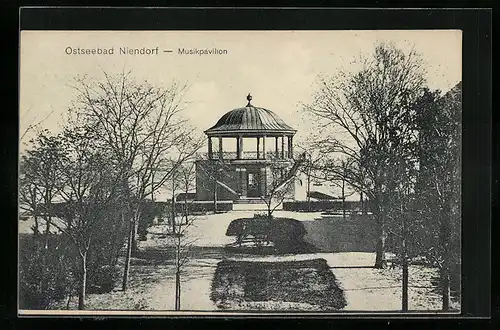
[250,120]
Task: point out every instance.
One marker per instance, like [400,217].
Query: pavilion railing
[246,155]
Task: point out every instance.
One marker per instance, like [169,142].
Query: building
[262,156]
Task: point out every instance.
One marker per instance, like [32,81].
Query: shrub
[284,230]
[248,226]
[320,206]
[278,228]
[49,275]
[45,275]
[102,279]
[287,235]
[148,212]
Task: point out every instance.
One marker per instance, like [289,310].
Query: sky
[279,68]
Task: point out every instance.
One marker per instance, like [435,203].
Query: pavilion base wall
[205,171]
[234,176]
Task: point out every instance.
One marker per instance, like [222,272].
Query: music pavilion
[245,176]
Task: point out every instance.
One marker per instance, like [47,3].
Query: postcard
[240,172]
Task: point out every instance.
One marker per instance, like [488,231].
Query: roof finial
[249,98]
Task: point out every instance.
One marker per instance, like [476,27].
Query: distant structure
[244,176]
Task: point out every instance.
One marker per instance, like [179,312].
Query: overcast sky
[279,68]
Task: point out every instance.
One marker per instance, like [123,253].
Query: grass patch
[288,285]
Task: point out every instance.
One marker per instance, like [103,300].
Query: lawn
[283,285]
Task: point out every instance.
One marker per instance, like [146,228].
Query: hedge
[320,206]
[279,229]
[60,209]
[196,206]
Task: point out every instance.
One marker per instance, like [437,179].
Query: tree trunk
[445,287]
[177,290]
[362,203]
[444,237]
[180,291]
[36,234]
[404,256]
[70,296]
[308,192]
[380,261]
[343,199]
[186,213]
[36,227]
[178,273]
[174,213]
[48,220]
[215,196]
[128,256]
[83,282]
[135,246]
[404,296]
[125,214]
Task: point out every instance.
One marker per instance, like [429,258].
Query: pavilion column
[283,146]
[241,147]
[290,147]
[210,153]
[276,147]
[238,147]
[258,147]
[220,147]
[264,147]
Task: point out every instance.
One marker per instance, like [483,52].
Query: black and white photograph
[233,172]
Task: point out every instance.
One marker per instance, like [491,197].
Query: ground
[365,288]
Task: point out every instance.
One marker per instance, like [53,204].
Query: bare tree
[366,116]
[214,170]
[278,188]
[141,127]
[39,185]
[400,221]
[311,169]
[338,174]
[187,181]
[182,243]
[89,193]
[323,169]
[176,229]
[40,180]
[438,185]
[34,123]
